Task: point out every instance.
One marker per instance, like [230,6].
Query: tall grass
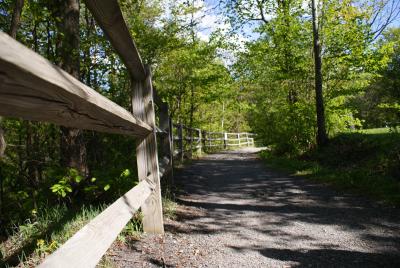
[28,243]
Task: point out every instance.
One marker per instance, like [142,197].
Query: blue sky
[213,19]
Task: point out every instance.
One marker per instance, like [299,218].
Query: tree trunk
[16,18]
[2,142]
[2,148]
[223,116]
[31,161]
[191,119]
[73,148]
[319,100]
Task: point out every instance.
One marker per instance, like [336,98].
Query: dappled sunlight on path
[254,217]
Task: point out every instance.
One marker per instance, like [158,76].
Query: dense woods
[187,73]
[297,74]
[277,70]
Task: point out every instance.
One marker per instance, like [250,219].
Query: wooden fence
[32,88]
[191,141]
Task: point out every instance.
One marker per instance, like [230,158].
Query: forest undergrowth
[366,162]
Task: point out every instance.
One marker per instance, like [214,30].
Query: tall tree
[16,18]
[73,148]
[322,138]
[15,22]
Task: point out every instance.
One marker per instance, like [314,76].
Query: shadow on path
[251,211]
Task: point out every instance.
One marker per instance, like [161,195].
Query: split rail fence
[32,88]
[190,141]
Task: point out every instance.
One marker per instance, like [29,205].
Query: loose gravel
[236,212]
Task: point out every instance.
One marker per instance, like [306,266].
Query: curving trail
[237,213]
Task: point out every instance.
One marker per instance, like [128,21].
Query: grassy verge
[31,242]
[367,163]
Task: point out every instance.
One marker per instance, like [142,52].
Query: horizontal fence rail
[194,140]
[90,243]
[32,88]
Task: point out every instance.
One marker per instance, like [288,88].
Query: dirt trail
[237,213]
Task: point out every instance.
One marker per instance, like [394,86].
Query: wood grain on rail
[89,244]
[33,88]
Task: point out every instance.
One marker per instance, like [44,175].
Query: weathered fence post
[171,145]
[225,140]
[247,139]
[204,140]
[166,141]
[190,142]
[146,154]
[199,147]
[238,136]
[180,141]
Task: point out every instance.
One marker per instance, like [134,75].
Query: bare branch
[384,13]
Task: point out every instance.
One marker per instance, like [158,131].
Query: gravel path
[235,212]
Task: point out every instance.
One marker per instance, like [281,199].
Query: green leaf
[125,173]
[22,194]
[78,179]
[73,172]
[107,187]
[90,188]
